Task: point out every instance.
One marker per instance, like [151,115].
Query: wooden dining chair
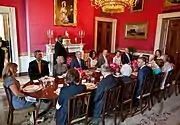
[78,108]
[145,95]
[168,84]
[13,111]
[111,100]
[156,89]
[127,97]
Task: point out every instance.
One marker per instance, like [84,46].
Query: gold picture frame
[136,30]
[138,7]
[65,12]
[171,3]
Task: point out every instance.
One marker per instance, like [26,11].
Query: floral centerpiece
[114,67]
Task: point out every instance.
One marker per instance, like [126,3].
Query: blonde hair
[8,70]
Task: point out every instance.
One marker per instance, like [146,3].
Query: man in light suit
[126,57]
[103,58]
[106,83]
[38,68]
[77,62]
[144,71]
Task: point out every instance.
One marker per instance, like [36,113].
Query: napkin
[30,99]
[35,81]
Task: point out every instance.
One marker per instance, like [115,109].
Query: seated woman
[168,66]
[117,58]
[18,98]
[73,88]
[126,71]
[158,54]
[92,61]
[60,68]
[157,67]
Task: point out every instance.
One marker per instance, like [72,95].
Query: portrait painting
[65,12]
[139,6]
[136,30]
[171,2]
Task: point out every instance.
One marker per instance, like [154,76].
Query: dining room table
[41,93]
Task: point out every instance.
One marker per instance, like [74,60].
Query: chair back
[158,82]
[128,91]
[9,97]
[170,77]
[111,99]
[78,108]
[147,86]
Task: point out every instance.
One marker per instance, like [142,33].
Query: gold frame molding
[167,3]
[74,15]
[138,9]
[136,37]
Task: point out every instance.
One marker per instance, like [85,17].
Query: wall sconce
[50,35]
[81,35]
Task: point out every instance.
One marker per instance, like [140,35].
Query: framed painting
[139,6]
[136,30]
[171,2]
[65,12]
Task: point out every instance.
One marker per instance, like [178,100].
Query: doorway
[9,32]
[105,34]
[172,43]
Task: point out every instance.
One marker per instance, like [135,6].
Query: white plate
[32,88]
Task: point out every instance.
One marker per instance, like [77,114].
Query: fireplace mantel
[72,48]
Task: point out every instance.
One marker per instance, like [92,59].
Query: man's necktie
[39,66]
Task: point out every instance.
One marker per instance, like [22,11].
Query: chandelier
[113,6]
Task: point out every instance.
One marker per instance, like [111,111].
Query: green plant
[132,50]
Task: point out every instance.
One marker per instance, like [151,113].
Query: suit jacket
[101,60]
[125,59]
[2,56]
[125,79]
[59,51]
[75,64]
[33,69]
[66,93]
[144,72]
[98,95]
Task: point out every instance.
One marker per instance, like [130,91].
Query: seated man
[38,68]
[73,88]
[144,71]
[103,58]
[77,62]
[126,57]
[126,71]
[106,83]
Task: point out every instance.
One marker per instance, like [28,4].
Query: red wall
[21,22]
[150,12]
[40,14]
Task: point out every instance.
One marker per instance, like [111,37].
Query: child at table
[73,88]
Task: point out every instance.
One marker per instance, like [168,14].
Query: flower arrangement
[114,67]
[135,65]
[81,72]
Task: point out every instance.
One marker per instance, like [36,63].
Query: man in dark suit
[77,62]
[59,49]
[2,57]
[144,71]
[106,83]
[126,57]
[38,68]
[67,92]
[103,58]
